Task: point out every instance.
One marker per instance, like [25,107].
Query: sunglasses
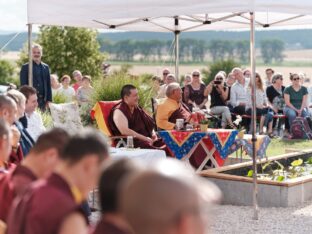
[196,75]
[165,74]
[219,78]
[297,78]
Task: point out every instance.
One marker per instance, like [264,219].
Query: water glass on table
[130,144]
[179,124]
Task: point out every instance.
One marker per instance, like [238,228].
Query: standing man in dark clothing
[41,77]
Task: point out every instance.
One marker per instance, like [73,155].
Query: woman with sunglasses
[276,102]
[194,92]
[261,101]
[218,98]
[295,97]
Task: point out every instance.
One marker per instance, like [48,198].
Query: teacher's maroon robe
[183,112]
[43,208]
[13,184]
[138,121]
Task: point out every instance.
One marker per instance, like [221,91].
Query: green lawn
[278,146]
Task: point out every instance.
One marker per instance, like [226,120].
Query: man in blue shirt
[41,77]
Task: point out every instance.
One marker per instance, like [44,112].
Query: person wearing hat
[169,198]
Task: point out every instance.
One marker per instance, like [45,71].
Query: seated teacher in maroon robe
[53,206]
[39,164]
[129,119]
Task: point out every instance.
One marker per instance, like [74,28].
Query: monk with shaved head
[167,200]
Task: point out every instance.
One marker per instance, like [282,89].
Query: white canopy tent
[176,16]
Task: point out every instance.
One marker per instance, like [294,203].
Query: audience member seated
[111,180]
[194,93]
[39,164]
[77,76]
[269,74]
[129,119]
[53,206]
[295,97]
[26,140]
[239,92]
[247,75]
[85,91]
[5,150]
[276,101]
[8,112]
[230,80]
[170,78]
[165,73]
[66,90]
[261,101]
[186,81]
[55,85]
[218,96]
[168,200]
[172,108]
[34,121]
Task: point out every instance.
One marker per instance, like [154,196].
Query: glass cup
[130,142]
[179,124]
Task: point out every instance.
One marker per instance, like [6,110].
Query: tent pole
[30,64]
[176,41]
[253,117]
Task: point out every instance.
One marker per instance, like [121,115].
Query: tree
[242,50]
[66,49]
[272,49]
[220,65]
[6,72]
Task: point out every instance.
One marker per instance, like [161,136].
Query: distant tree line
[191,50]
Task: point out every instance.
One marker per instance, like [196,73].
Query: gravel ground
[238,219]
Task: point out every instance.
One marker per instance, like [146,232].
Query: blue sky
[13,15]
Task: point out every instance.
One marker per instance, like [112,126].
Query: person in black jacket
[41,77]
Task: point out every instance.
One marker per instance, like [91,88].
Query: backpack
[300,129]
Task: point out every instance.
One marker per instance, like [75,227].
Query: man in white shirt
[34,122]
[239,92]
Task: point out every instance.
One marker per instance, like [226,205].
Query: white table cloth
[145,156]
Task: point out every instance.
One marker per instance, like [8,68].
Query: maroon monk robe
[106,227]
[12,184]
[183,112]
[43,208]
[138,121]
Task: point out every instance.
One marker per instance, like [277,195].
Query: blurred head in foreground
[168,200]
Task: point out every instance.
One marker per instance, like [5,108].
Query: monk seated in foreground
[129,119]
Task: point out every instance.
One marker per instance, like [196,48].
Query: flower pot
[240,134]
[203,127]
